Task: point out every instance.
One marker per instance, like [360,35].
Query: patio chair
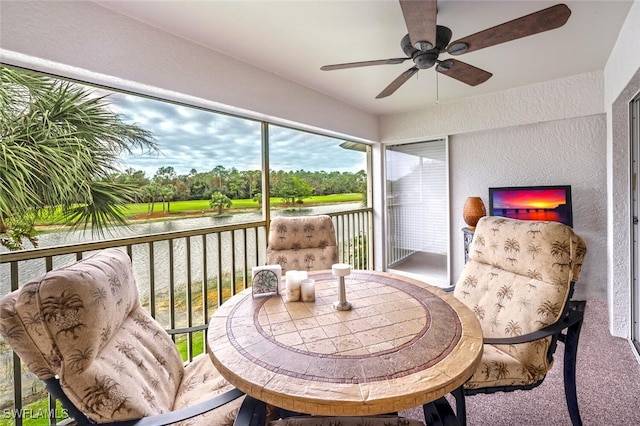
[519,282]
[304,243]
[82,330]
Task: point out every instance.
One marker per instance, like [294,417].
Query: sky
[540,198]
[191,138]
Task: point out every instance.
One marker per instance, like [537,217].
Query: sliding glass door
[418,210]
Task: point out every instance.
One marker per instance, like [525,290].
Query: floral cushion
[306,243]
[518,280]
[84,323]
[347,421]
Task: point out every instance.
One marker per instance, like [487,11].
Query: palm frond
[59,143]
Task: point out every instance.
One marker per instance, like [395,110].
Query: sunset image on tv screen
[532,203]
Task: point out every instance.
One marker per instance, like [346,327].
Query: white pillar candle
[292,291]
[308,290]
[341,270]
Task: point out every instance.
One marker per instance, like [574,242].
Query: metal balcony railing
[182,276]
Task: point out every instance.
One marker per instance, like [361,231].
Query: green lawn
[203,205]
[177,207]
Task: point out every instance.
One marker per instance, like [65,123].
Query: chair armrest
[54,388]
[183,413]
[573,315]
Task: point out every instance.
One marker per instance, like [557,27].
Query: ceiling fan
[426,41]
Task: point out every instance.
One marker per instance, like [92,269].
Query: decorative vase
[473,210]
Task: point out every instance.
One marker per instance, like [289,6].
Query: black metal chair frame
[440,413]
[250,414]
[566,330]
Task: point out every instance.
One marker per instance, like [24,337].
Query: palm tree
[59,144]
[168,192]
[252,177]
[220,201]
[220,173]
[149,194]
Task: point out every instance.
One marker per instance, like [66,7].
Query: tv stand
[467,234]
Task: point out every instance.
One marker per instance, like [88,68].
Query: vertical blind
[417,199]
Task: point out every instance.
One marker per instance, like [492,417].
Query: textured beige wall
[575,96]
[622,84]
[619,221]
[570,151]
[551,133]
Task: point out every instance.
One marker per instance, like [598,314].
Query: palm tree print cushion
[517,281]
[85,323]
[305,243]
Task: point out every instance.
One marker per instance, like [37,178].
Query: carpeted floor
[608,381]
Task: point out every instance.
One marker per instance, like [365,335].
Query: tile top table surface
[403,343]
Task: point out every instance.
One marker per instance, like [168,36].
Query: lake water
[32,269]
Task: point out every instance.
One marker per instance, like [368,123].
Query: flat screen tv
[532,203]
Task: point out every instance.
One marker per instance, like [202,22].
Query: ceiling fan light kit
[418,45]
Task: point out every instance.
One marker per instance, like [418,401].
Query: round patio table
[403,344]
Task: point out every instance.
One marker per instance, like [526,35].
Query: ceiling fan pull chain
[437,91]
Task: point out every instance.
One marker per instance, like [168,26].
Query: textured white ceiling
[293,39]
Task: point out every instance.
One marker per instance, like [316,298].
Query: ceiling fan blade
[399,81]
[420,17]
[544,20]
[463,72]
[391,61]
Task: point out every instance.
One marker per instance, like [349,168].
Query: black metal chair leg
[439,413]
[252,413]
[431,415]
[461,405]
[570,358]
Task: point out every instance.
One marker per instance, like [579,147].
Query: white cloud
[192,138]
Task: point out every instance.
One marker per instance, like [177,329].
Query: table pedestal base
[342,306]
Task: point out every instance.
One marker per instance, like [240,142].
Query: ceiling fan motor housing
[427,59]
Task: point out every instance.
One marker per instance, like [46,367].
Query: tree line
[166,185]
